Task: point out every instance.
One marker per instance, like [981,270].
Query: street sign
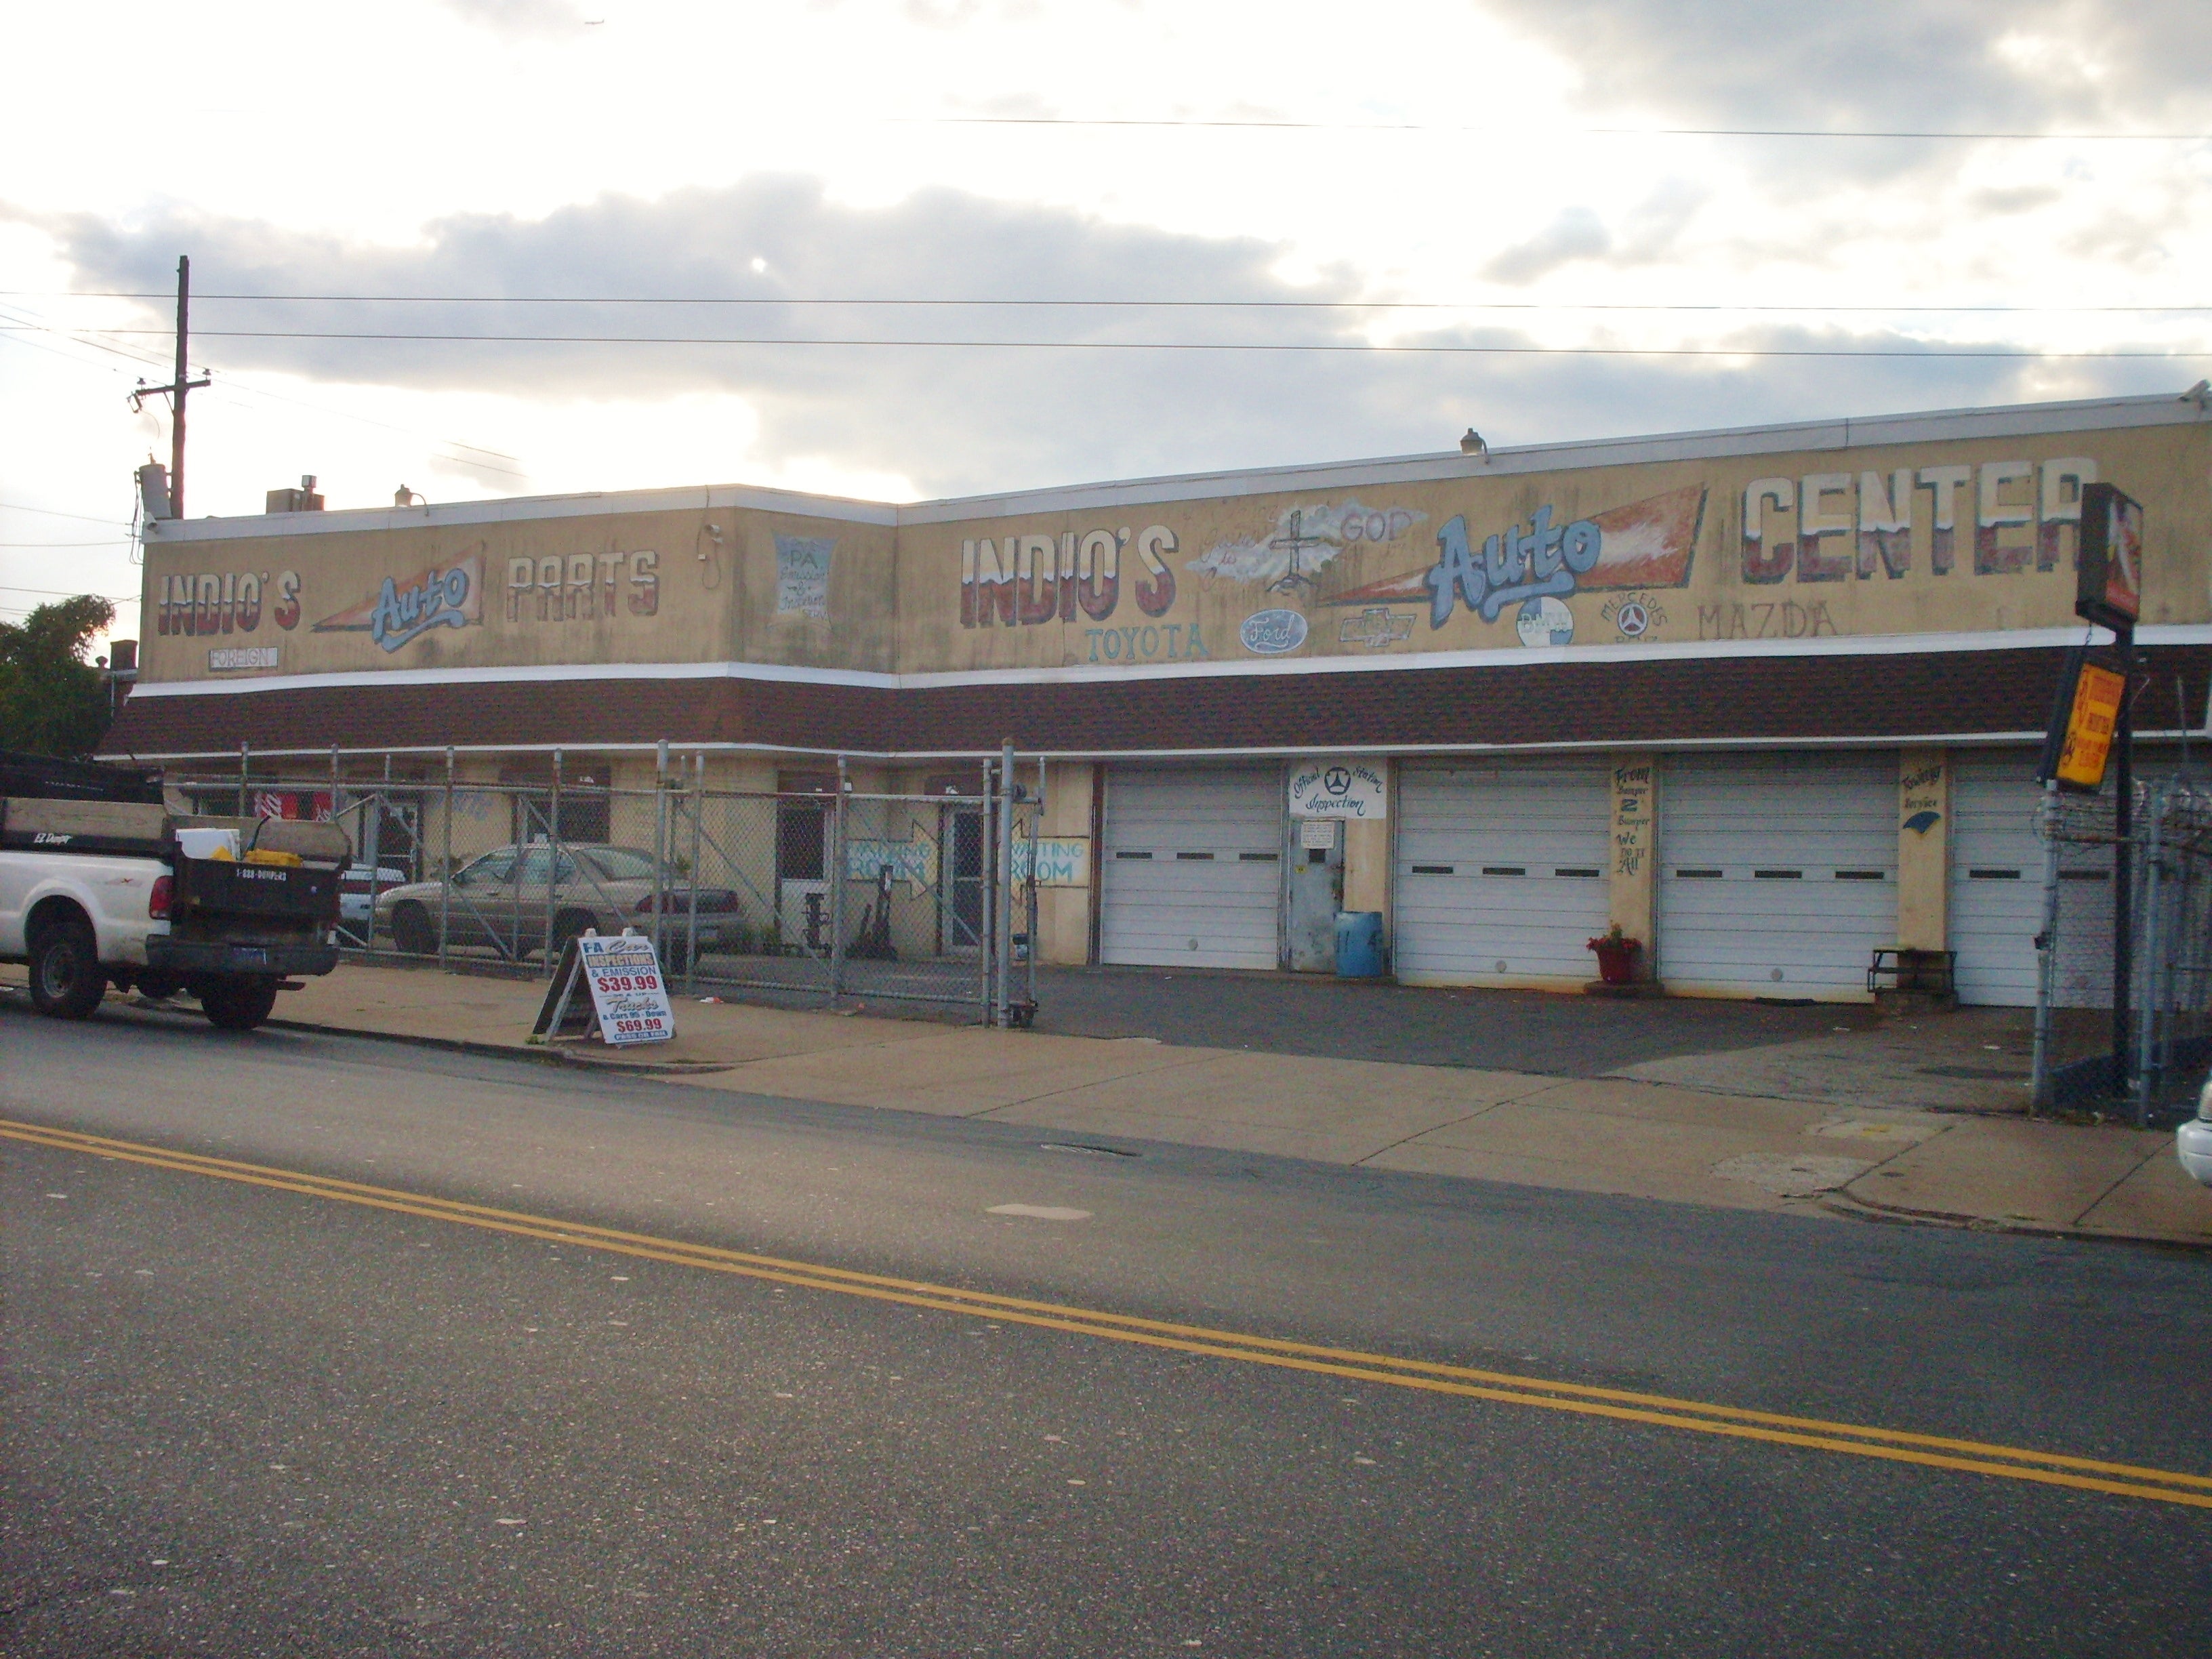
[2108,583]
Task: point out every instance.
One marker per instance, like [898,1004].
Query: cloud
[968,419]
[1649,232]
[1576,233]
[519,18]
[1895,64]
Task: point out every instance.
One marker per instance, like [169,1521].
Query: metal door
[1501,871]
[1777,873]
[1313,892]
[1192,871]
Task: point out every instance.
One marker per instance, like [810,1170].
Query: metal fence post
[660,855]
[2145,1032]
[986,883]
[245,756]
[552,861]
[691,908]
[446,872]
[2046,946]
[1002,937]
[834,867]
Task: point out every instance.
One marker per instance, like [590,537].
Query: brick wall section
[1811,699]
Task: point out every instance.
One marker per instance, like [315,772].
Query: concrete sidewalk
[1790,1127]
[1631,1134]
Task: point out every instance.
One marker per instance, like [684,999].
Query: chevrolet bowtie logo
[1375,628]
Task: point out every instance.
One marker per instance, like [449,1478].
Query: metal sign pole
[2124,736]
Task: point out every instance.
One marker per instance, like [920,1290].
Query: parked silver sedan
[507,899]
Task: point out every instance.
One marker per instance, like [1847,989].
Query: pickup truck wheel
[412,931]
[67,982]
[238,1002]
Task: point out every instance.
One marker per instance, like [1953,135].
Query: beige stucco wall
[1789,545]
[1635,837]
[1923,854]
[697,586]
[1808,545]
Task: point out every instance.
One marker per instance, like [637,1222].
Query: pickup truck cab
[98,892]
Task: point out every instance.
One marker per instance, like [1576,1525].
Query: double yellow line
[1617,1404]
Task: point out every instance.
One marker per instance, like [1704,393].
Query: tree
[52,700]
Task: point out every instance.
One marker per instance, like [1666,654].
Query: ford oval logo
[1271,633]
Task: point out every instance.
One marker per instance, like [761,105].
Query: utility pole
[177,390]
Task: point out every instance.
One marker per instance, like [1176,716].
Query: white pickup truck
[96,889]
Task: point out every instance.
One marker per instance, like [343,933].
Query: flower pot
[1616,963]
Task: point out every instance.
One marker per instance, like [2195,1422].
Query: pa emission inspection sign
[627,989]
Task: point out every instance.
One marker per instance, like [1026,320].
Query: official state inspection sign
[2090,725]
[628,991]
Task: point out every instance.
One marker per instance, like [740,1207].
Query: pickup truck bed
[97,891]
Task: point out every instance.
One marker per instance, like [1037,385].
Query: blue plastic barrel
[1359,944]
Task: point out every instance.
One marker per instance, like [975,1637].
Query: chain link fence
[2155,880]
[805,897]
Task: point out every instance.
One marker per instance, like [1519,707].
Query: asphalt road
[273,1413]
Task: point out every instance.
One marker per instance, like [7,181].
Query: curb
[538,1052]
[1845,1203]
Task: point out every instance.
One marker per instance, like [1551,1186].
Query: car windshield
[492,866]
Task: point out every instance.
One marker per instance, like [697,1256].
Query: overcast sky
[1517,175]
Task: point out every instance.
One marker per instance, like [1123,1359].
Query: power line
[1702,306]
[233,384]
[55,513]
[1182,345]
[1547,133]
[73,594]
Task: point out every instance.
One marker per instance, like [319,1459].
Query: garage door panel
[1778,874]
[1500,871]
[1997,891]
[1193,872]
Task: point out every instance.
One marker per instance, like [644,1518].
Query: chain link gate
[800,897]
[2168,1033]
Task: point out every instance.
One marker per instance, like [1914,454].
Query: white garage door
[1997,891]
[1501,871]
[1777,873]
[1193,866]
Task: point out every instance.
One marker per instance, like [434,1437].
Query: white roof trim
[1877,645]
[2020,420]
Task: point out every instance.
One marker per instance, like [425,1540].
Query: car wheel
[67,982]
[238,1002]
[675,956]
[569,926]
[412,931]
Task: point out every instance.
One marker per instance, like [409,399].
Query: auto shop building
[1768,698]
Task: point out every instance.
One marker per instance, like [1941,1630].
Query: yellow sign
[2089,727]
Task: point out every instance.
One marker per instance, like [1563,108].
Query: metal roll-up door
[1997,891]
[1193,872]
[1777,873]
[1501,871]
